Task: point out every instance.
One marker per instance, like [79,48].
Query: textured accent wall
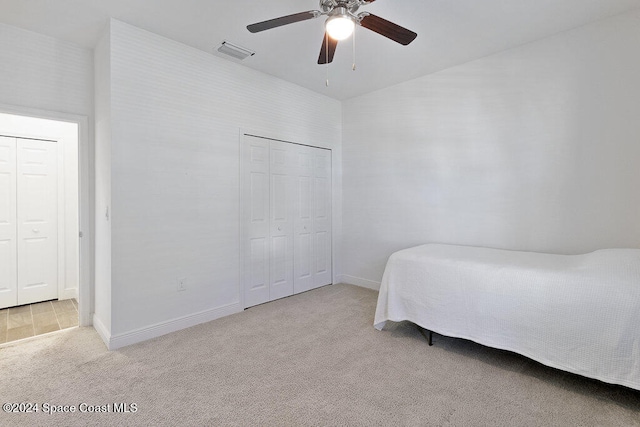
[42,72]
[176,115]
[535,148]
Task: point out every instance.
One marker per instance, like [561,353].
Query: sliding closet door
[37,217]
[282,172]
[255,221]
[8,227]
[322,270]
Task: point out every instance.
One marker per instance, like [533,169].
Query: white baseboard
[101,330]
[121,340]
[358,281]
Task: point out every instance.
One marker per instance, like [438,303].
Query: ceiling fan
[340,24]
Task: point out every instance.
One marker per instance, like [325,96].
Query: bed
[578,313]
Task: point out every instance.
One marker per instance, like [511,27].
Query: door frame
[85,249]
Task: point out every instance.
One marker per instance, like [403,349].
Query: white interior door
[286,219]
[255,262]
[282,172]
[37,218]
[8,227]
[322,218]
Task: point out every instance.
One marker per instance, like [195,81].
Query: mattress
[578,313]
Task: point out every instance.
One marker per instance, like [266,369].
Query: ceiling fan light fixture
[339,27]
[342,18]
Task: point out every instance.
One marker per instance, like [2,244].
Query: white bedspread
[578,313]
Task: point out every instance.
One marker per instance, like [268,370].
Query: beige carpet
[312,359]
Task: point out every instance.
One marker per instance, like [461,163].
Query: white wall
[45,73]
[176,116]
[532,149]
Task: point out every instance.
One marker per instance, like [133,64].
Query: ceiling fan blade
[283,20]
[388,29]
[327,51]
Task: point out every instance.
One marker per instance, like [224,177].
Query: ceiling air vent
[234,50]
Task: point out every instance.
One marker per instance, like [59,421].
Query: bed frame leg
[428,335]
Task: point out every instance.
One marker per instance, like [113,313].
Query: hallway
[29,320]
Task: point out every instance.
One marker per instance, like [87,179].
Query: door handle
[279,228]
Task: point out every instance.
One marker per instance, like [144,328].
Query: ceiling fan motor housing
[347,8]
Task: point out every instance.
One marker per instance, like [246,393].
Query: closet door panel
[303,221]
[255,262]
[322,217]
[37,217]
[281,218]
[8,225]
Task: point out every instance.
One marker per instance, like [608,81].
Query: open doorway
[39,225]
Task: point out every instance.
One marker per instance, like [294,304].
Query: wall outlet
[182,284]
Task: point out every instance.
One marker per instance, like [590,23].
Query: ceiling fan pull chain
[354,50]
[326,35]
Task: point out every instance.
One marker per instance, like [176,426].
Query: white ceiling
[450,32]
